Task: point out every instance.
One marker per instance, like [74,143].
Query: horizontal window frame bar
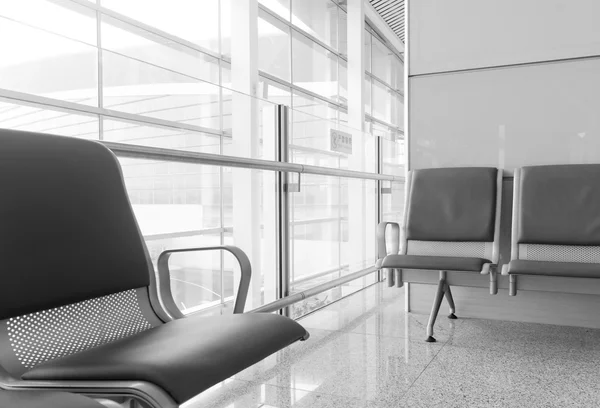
[299,89]
[302,32]
[128,20]
[88,110]
[183,156]
[371,118]
[382,82]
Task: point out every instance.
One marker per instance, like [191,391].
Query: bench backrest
[453,212]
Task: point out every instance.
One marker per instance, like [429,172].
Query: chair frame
[394,276]
[142,393]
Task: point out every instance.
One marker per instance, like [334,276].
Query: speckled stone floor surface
[365,351]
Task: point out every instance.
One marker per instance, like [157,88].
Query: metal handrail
[183,156]
[300,296]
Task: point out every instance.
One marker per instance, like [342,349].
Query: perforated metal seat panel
[448,248]
[559,253]
[43,336]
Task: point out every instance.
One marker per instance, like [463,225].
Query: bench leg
[437,302]
[390,277]
[512,285]
[450,300]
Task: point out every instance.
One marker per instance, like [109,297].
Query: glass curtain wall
[158,74]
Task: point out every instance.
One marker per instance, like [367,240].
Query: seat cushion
[45,399]
[184,357]
[437,263]
[564,269]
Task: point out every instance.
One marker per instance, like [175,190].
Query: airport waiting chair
[555,223]
[451,223]
[45,399]
[80,306]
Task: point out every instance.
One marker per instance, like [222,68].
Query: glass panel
[393,204]
[37,62]
[273,47]
[314,141]
[397,109]
[279,7]
[39,118]
[274,92]
[249,209]
[195,276]
[68,19]
[315,68]
[367,51]
[142,45]
[367,95]
[136,87]
[317,18]
[249,126]
[392,148]
[381,64]
[382,101]
[192,20]
[343,32]
[226,28]
[173,199]
[163,137]
[343,73]
[397,74]
[329,238]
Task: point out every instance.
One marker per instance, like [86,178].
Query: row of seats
[452,223]
[81,306]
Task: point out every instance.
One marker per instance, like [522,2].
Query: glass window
[192,20]
[68,19]
[273,47]
[158,136]
[397,74]
[142,45]
[381,64]
[136,87]
[318,18]
[314,68]
[39,118]
[274,92]
[343,32]
[367,94]
[381,101]
[343,75]
[40,63]
[279,7]
[397,117]
[367,51]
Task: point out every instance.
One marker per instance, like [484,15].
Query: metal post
[493,280]
[512,285]
[379,198]
[437,302]
[282,206]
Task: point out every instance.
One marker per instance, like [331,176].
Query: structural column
[357,202]
[246,139]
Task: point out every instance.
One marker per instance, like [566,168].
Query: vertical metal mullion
[100,74]
[282,207]
[379,189]
[221,149]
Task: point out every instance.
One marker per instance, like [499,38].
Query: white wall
[505,116]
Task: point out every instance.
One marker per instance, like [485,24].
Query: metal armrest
[164,276]
[381,242]
[382,250]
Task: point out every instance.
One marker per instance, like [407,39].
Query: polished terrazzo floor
[364,351]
